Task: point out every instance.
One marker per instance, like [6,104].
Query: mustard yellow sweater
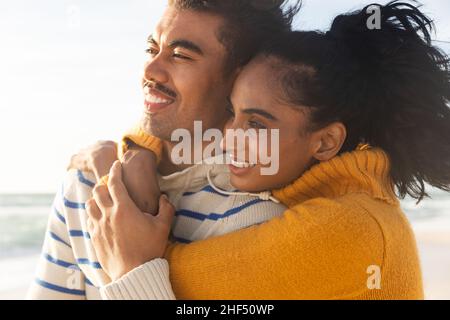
[343,224]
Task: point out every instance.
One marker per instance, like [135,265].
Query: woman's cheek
[252,150]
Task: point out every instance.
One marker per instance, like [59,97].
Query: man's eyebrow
[260,112]
[186,44]
[151,40]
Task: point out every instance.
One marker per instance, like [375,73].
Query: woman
[362,113]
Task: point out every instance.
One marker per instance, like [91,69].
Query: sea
[23,220]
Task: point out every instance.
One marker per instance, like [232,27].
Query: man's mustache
[160,87]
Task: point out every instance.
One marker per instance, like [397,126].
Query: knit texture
[343,220]
[69,267]
[133,287]
[344,225]
[139,137]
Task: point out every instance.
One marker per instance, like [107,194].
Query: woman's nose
[229,142]
[223,142]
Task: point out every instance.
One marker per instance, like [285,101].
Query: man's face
[184,79]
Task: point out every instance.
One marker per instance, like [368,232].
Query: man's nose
[156,71]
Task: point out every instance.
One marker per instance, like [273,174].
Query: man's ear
[329,141]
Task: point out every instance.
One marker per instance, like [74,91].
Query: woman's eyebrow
[260,112]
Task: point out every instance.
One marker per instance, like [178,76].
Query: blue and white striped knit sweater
[68,267]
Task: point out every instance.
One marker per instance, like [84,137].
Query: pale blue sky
[70,72]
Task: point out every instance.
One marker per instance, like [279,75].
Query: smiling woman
[81,63]
[344,220]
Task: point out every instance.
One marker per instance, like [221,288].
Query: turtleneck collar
[366,171]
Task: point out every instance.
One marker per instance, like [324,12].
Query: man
[195,53]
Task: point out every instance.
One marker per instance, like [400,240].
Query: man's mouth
[155,100]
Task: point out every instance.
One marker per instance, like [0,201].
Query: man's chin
[154,127]
[146,124]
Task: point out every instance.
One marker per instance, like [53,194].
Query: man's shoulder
[78,185]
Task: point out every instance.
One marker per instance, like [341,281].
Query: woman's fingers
[102,196]
[117,189]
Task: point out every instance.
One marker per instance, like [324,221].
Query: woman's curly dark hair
[390,87]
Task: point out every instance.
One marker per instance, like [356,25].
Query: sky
[70,75]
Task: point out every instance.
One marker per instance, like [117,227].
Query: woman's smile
[238,167]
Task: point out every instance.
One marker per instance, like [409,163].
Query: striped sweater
[68,267]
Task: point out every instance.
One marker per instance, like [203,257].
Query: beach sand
[433,241]
[434,249]
[15,276]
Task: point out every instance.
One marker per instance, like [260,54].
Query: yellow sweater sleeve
[138,136]
[316,250]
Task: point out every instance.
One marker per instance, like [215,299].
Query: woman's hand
[123,236]
[97,158]
[139,170]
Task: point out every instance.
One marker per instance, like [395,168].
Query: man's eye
[180,56]
[151,51]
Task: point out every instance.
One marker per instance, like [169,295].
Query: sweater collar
[362,171]
[196,177]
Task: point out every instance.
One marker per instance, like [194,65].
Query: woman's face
[257,105]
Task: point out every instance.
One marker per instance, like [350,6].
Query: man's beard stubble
[157,127]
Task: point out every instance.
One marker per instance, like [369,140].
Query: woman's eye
[256,125]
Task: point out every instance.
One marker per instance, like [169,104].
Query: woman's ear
[329,141]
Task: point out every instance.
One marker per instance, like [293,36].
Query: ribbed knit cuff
[149,281]
[142,139]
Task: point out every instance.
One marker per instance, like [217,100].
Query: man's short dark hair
[247,23]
